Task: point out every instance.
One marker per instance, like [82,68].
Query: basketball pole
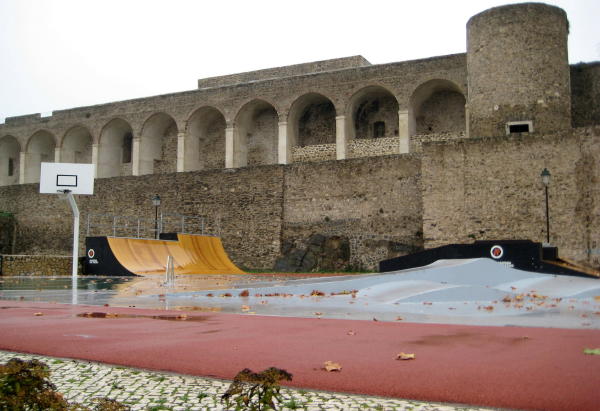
[75,210]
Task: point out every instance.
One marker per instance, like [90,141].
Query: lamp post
[546,181]
[156,204]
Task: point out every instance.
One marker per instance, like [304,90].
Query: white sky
[58,54]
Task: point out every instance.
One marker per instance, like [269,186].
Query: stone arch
[370,110]
[10,160]
[115,149]
[158,145]
[311,120]
[437,106]
[40,149]
[76,146]
[204,146]
[256,134]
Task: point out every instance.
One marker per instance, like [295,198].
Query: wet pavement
[469,292]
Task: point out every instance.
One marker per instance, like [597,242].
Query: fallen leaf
[399,318]
[209,295]
[244,293]
[38,314]
[592,351]
[332,366]
[351,332]
[405,356]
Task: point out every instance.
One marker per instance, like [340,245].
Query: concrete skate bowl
[192,254]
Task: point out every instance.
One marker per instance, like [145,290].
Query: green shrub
[25,385]
[256,391]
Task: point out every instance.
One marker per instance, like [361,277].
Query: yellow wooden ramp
[192,254]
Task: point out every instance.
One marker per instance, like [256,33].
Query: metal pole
[156,223]
[75,245]
[547,218]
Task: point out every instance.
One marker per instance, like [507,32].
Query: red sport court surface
[508,367]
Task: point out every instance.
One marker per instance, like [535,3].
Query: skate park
[437,221]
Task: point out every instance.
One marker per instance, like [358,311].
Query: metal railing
[142,227]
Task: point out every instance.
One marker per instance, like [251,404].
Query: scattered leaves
[404,356]
[331,366]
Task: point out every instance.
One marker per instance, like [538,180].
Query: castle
[389,158]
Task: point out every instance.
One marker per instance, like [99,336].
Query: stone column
[284,149]
[467,121]
[135,157]
[341,138]
[229,148]
[56,154]
[404,130]
[95,148]
[180,152]
[22,157]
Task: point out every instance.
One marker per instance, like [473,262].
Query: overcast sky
[58,54]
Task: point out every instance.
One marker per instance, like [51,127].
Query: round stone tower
[518,70]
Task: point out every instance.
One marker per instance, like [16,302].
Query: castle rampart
[390,157]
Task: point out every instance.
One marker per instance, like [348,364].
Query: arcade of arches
[259,133]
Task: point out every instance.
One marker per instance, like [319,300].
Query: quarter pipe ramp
[192,254]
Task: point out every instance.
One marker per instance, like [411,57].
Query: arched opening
[77,146]
[158,145]
[374,113]
[312,121]
[115,149]
[256,134]
[438,106]
[10,157]
[40,149]
[205,140]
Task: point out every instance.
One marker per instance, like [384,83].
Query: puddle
[181,317]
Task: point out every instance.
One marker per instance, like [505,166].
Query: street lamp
[156,204]
[546,181]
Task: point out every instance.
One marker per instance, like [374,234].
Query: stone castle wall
[490,188]
[458,190]
[37,265]
[373,202]
[258,207]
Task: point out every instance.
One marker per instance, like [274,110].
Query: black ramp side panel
[522,254]
[100,260]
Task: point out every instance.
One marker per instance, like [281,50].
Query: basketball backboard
[75,177]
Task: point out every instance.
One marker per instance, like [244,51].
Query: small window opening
[378,129]
[11,167]
[127,147]
[519,127]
